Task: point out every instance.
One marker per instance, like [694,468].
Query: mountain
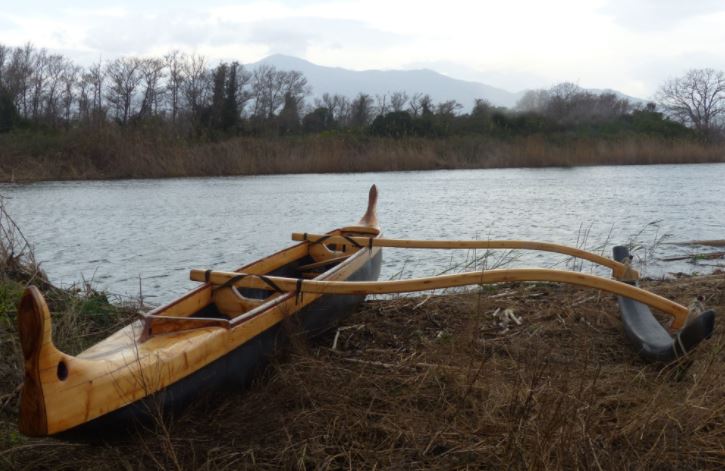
[379,82]
[336,80]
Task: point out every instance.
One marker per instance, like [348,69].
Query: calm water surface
[117,232]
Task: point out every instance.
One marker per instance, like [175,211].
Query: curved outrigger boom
[650,338]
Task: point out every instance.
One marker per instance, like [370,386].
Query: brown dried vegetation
[110,153]
[433,382]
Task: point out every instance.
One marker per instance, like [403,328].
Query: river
[120,235]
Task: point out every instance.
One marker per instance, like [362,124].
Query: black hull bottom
[235,370]
[650,339]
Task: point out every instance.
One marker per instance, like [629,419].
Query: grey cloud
[294,35]
[139,34]
[648,15]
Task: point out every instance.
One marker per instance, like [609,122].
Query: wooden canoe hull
[236,369]
[210,337]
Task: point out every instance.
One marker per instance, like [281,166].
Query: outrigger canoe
[223,332]
[211,337]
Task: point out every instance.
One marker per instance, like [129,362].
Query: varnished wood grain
[677,311]
[620,271]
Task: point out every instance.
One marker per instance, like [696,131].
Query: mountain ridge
[441,87]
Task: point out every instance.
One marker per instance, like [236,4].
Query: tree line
[188,95]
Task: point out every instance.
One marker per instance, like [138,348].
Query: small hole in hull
[62,370]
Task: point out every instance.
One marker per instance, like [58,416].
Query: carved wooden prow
[368,224]
[39,355]
[370,218]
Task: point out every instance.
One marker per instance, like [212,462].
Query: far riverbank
[114,154]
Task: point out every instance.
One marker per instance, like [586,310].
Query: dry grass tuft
[434,382]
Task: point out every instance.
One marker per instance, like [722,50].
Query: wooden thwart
[677,311]
[620,271]
[323,263]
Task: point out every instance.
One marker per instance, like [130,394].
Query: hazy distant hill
[378,82]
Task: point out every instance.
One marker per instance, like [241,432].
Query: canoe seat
[322,263]
[321,252]
[232,303]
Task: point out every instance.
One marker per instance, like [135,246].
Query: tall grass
[114,153]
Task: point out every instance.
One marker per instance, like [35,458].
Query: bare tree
[381,104]
[151,72]
[266,91]
[56,67]
[398,101]
[4,56]
[696,99]
[337,105]
[361,110]
[294,86]
[95,78]
[243,92]
[37,80]
[414,104]
[426,105]
[270,87]
[448,108]
[534,101]
[561,101]
[564,90]
[174,62]
[69,81]
[18,75]
[125,76]
[196,83]
[85,89]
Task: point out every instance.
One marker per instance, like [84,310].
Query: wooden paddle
[620,271]
[677,311]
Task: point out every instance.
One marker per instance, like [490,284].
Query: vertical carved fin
[38,353]
[370,218]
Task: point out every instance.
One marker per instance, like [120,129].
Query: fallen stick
[711,243]
[695,257]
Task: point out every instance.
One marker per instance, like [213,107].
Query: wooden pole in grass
[677,311]
[620,271]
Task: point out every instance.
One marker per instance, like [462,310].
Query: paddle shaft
[677,311]
[619,270]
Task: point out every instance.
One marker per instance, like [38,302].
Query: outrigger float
[223,331]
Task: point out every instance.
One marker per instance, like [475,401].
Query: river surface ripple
[116,233]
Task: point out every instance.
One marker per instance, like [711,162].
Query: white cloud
[644,15]
[628,45]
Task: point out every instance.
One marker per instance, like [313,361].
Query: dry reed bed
[433,382]
[111,154]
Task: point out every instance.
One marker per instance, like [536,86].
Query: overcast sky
[628,45]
